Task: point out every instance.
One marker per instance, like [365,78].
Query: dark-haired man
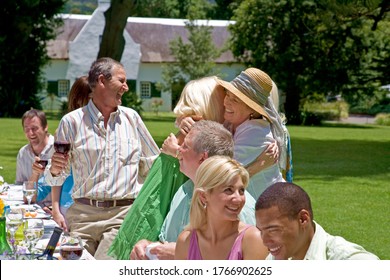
[285,218]
[40,146]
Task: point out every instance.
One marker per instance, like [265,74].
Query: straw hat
[253,87]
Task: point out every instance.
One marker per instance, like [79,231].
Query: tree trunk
[113,42]
[292,105]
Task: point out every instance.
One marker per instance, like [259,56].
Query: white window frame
[63,88]
[145,89]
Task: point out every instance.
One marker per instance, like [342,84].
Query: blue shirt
[66,191]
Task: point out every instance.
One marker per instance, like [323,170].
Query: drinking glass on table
[14,220]
[71,247]
[29,191]
[62,147]
[32,233]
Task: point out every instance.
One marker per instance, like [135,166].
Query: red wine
[61,147]
[71,253]
[43,162]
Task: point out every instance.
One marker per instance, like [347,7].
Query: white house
[146,51]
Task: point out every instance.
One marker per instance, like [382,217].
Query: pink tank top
[235,252]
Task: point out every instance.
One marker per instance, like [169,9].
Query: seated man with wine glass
[32,157]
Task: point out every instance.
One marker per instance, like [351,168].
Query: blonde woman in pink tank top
[215,231]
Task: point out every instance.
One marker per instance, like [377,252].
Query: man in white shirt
[285,218]
[40,144]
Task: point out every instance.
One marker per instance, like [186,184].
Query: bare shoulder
[182,245]
[184,236]
[252,245]
[252,234]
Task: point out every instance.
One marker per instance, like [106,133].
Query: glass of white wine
[14,220]
[32,233]
[29,191]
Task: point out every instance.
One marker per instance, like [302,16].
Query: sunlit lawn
[345,169]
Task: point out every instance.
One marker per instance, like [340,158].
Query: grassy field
[344,168]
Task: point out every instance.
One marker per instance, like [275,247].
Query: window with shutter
[52,87]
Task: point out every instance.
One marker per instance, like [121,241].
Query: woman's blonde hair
[202,97]
[213,172]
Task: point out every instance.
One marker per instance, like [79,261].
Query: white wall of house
[148,72]
[229,72]
[151,72]
[56,70]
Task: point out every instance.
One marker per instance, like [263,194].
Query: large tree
[308,46]
[27,27]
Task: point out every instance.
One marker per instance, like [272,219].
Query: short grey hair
[102,66]
[213,138]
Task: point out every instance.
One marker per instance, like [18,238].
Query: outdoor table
[14,198]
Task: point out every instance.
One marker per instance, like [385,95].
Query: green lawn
[344,168]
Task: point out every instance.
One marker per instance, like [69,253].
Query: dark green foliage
[224,9]
[85,7]
[27,26]
[130,99]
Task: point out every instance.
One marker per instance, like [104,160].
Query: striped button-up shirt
[107,163]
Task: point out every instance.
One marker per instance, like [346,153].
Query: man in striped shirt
[111,154]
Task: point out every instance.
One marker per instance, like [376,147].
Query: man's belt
[105,203]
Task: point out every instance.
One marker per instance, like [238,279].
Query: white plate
[42,244]
[39,216]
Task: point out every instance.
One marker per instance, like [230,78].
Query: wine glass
[62,147]
[32,233]
[71,246]
[14,220]
[43,161]
[29,190]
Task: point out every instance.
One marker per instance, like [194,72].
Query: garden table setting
[26,230]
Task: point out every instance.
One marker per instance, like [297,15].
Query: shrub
[131,100]
[156,103]
[313,113]
[311,118]
[382,119]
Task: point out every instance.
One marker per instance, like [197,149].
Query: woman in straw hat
[255,123]
[215,231]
